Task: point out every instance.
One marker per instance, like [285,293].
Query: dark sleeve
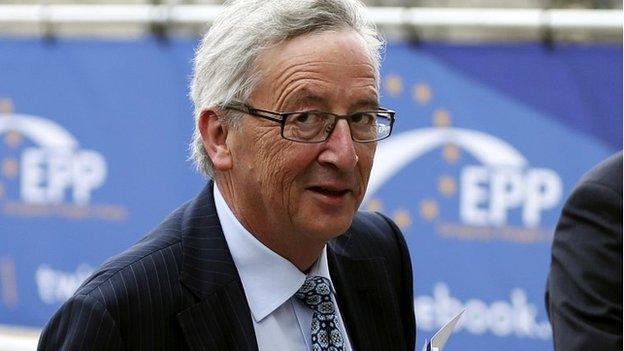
[82,323]
[406,295]
[584,289]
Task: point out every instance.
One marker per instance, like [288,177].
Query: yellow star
[394,84]
[447,185]
[428,209]
[402,218]
[422,93]
[10,167]
[374,205]
[13,139]
[441,118]
[9,284]
[450,153]
[6,105]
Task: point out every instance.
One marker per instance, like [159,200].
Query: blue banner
[489,141]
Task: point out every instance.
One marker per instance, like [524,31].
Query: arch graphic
[398,151]
[41,131]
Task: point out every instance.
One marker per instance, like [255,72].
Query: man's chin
[324,229]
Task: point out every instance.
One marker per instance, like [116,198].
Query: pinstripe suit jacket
[178,289]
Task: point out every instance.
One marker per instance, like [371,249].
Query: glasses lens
[370,126]
[313,126]
[307,126]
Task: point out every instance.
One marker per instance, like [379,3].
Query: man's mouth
[329,191]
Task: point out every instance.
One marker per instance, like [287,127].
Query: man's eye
[306,117]
[363,118]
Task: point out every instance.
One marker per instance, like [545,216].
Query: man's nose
[339,149]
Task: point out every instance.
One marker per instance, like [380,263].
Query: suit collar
[269,279]
[221,319]
[207,263]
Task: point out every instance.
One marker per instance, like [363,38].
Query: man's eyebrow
[306,97]
[302,98]
[365,104]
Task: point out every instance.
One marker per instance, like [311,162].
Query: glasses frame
[280,117]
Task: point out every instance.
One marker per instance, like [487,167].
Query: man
[584,291]
[273,255]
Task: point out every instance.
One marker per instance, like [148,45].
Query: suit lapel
[368,309]
[221,320]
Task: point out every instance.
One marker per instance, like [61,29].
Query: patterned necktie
[316,294]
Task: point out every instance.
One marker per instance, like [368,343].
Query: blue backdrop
[489,141]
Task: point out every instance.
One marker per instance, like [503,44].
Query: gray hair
[226,58]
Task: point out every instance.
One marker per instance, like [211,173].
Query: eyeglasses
[316,126]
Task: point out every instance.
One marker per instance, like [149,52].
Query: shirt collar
[269,279]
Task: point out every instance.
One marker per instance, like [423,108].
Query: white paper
[441,337]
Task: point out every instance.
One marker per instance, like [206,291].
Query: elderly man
[273,255]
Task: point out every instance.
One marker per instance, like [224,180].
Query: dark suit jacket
[584,290]
[178,289]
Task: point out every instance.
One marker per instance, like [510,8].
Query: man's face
[299,191]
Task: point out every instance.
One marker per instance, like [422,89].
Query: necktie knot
[316,294]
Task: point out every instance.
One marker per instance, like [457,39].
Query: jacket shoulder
[157,252]
[130,301]
[607,174]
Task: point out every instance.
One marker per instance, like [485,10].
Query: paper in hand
[441,337]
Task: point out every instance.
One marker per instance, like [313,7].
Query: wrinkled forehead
[350,43]
[308,67]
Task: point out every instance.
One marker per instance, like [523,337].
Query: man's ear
[214,135]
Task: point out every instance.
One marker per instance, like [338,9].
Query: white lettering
[501,318]
[89,173]
[473,194]
[425,308]
[507,193]
[56,286]
[33,176]
[488,194]
[543,192]
[59,175]
[474,319]
[47,175]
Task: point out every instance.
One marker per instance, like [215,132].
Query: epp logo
[57,169]
[503,182]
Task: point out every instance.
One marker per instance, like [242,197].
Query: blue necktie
[316,294]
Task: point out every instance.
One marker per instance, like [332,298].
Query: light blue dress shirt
[280,320]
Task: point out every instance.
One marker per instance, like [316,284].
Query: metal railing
[554,19]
